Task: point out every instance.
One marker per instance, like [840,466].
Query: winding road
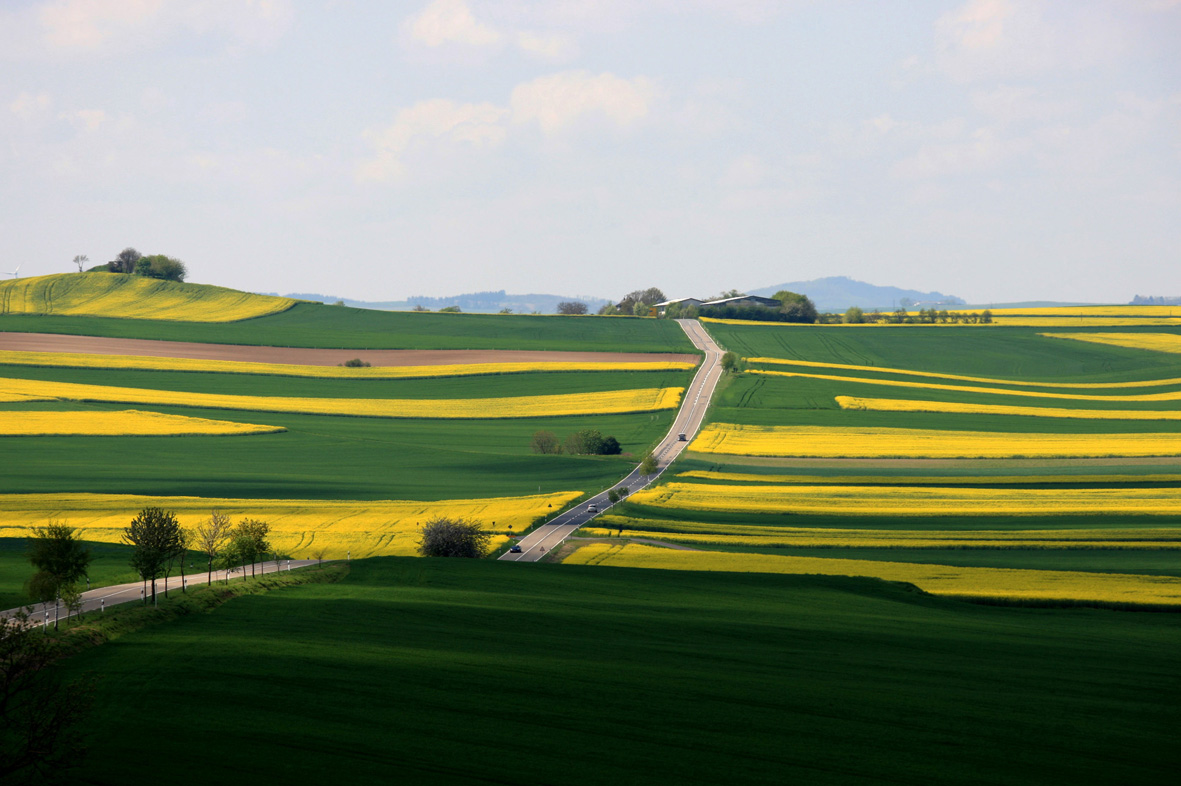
[547,537]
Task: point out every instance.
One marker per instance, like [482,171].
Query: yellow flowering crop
[298,527]
[130,423]
[76,360]
[1168,396]
[856,500]
[913,480]
[1069,321]
[604,402]
[1157,342]
[784,537]
[1090,311]
[960,378]
[133,297]
[983,583]
[826,442]
[954,407]
[19,398]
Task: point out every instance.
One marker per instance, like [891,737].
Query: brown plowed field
[94,345]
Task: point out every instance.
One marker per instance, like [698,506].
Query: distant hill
[125,296]
[473,302]
[837,293]
[1142,300]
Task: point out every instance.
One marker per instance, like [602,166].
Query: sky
[997,150]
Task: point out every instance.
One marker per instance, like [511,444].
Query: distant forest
[1141,300]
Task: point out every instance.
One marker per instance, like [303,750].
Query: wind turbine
[15,274]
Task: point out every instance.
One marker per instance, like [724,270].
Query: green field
[340,327]
[454,671]
[110,566]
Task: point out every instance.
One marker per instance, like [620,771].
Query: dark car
[514,549]
[682,438]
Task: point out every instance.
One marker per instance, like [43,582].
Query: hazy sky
[992,149]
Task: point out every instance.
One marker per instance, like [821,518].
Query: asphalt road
[547,537]
[101,598]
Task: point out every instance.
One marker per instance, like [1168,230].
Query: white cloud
[553,47]
[438,120]
[986,39]
[982,151]
[557,101]
[450,22]
[29,107]
[101,26]
[88,119]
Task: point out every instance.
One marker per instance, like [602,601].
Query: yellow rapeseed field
[935,480]
[604,402]
[971,583]
[1157,342]
[857,500]
[797,538]
[128,423]
[133,297]
[298,527]
[75,360]
[902,405]
[1174,395]
[1069,321]
[1090,311]
[828,442]
[960,378]
[19,398]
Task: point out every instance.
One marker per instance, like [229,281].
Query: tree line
[131,262]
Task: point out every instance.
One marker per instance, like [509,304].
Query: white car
[592,508]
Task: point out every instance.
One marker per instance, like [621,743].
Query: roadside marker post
[102,605]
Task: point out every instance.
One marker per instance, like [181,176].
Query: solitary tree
[80,260]
[154,534]
[445,537]
[797,307]
[572,308]
[61,560]
[854,315]
[210,538]
[648,465]
[730,361]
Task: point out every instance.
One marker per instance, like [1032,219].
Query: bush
[444,537]
[591,442]
[546,443]
[355,363]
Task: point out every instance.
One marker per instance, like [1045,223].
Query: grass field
[341,327]
[636,676]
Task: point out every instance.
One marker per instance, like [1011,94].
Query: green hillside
[465,671]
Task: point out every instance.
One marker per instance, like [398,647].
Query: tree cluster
[928,316]
[131,262]
[587,442]
[572,307]
[637,303]
[447,537]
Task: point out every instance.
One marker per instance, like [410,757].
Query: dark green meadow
[110,566]
[416,671]
[341,327]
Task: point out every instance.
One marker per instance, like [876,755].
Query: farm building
[743,301]
[683,302]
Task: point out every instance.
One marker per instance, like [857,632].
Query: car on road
[682,438]
[592,508]
[514,549]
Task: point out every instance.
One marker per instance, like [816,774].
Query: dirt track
[94,345]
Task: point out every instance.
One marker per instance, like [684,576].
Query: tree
[612,496]
[572,308]
[640,301]
[210,538]
[318,555]
[730,361]
[446,537]
[450,310]
[40,718]
[250,541]
[590,441]
[546,443]
[154,534]
[61,560]
[648,465]
[986,317]
[162,267]
[179,549]
[80,260]
[797,307]
[854,316]
[610,447]
[126,261]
